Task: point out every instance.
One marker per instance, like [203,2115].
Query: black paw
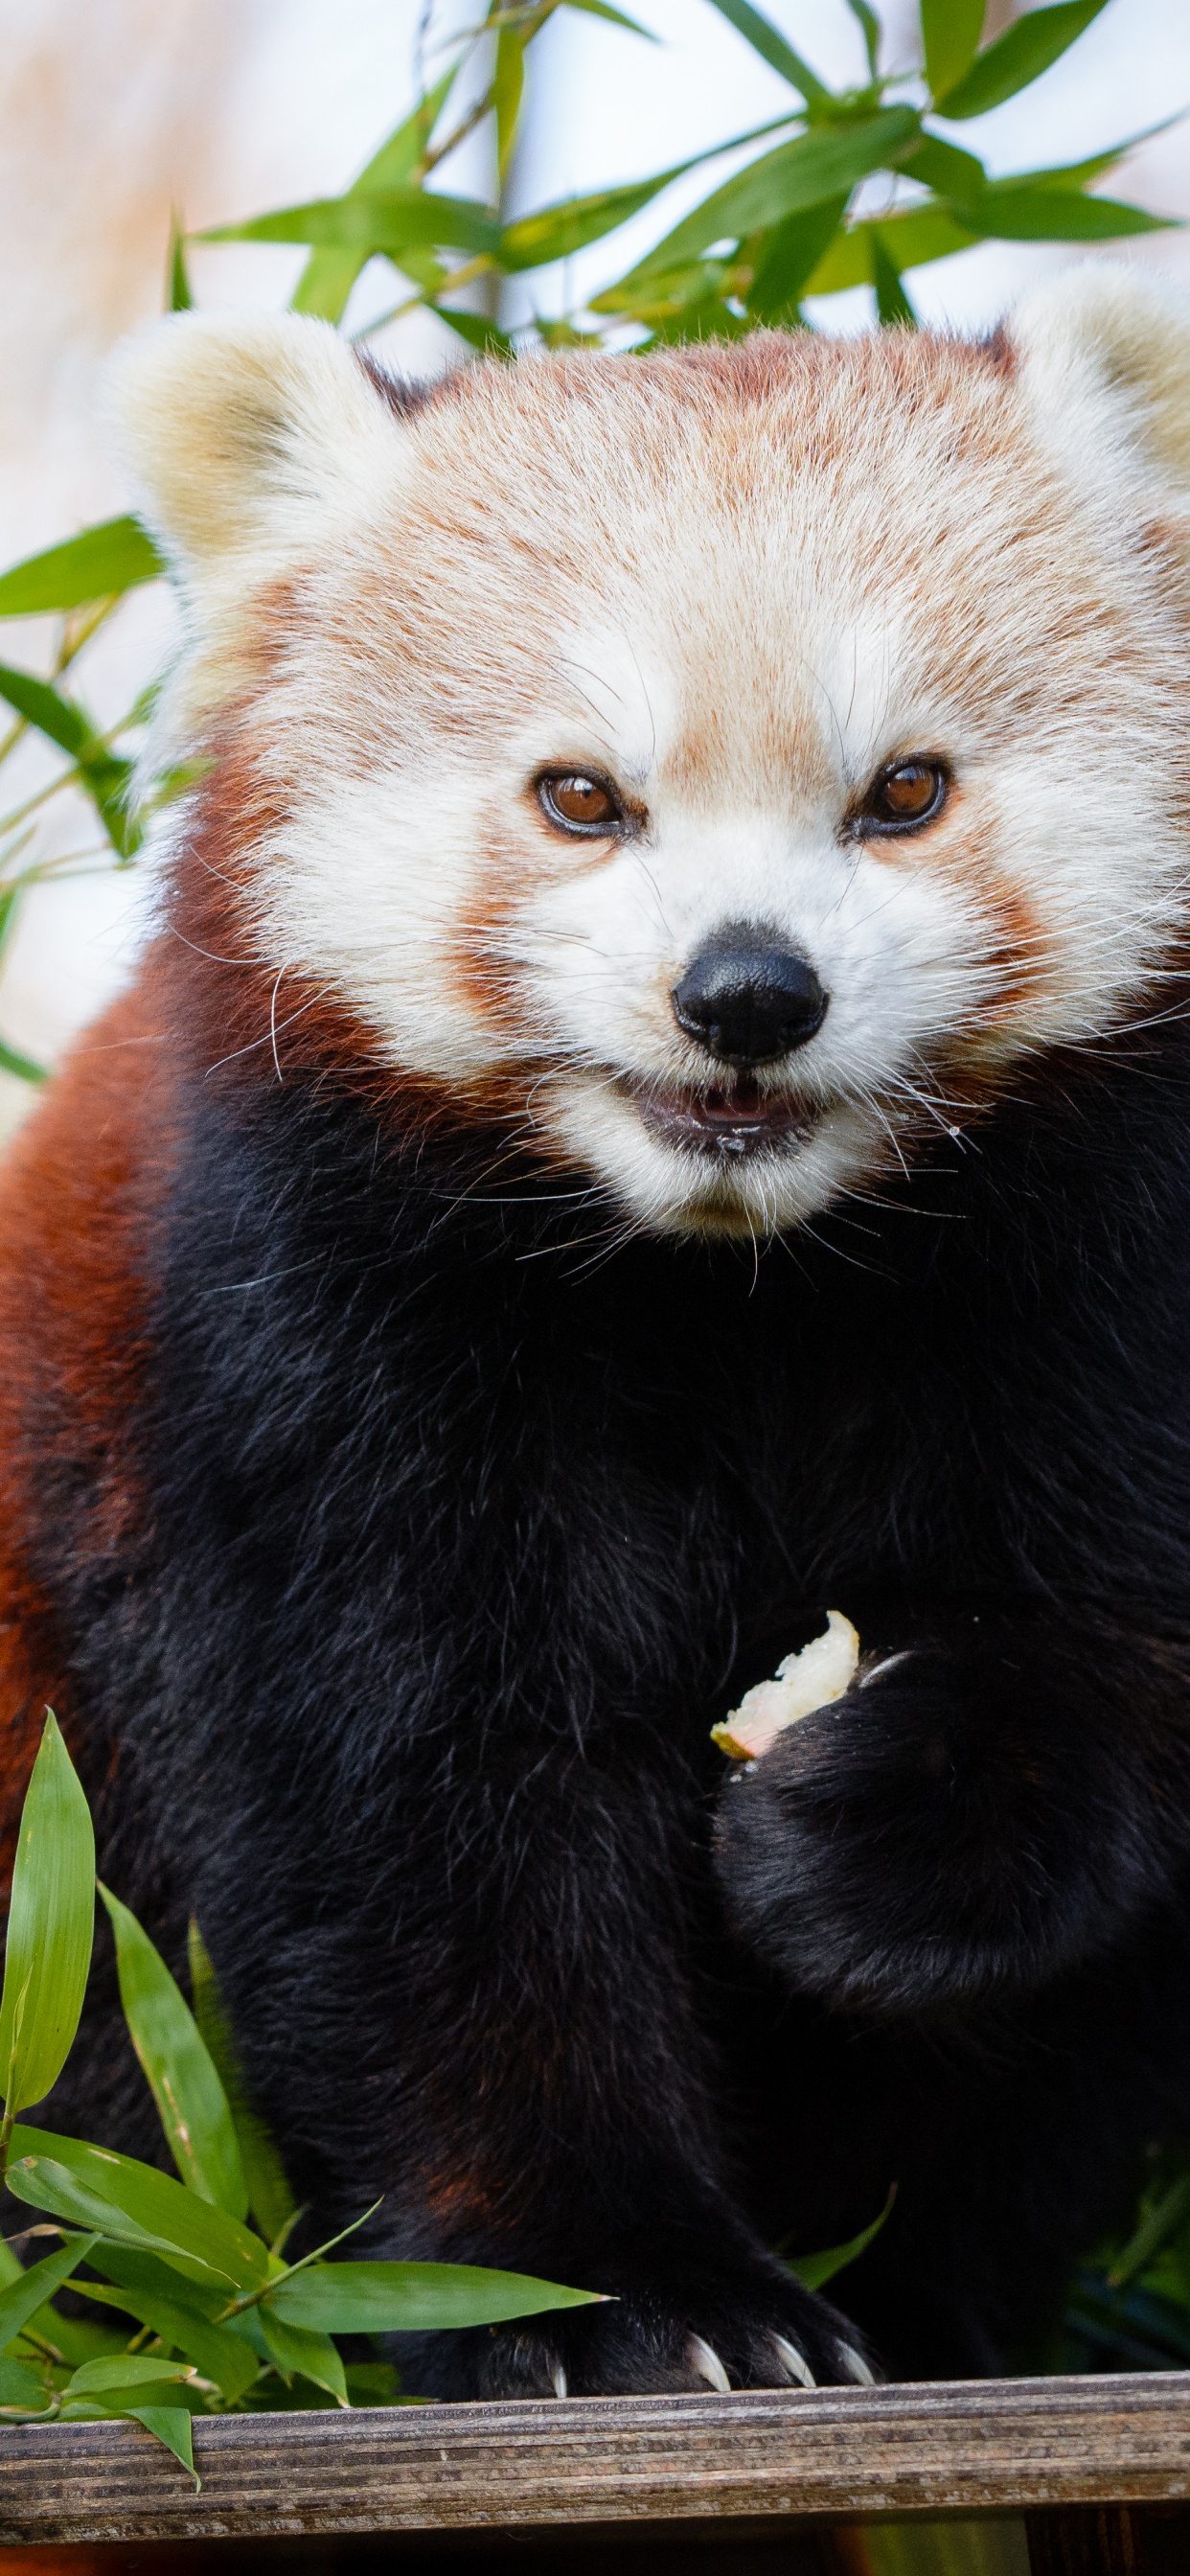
[653,2337]
[936,1833]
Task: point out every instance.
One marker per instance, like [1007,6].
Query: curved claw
[706,2362]
[793,2362]
[855,2366]
[558,2375]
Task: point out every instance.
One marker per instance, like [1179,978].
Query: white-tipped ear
[252,443]
[247,437]
[1105,364]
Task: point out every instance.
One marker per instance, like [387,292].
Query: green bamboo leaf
[950,32]
[913,239]
[148,2290]
[869,27]
[178,298]
[269,2197]
[814,167]
[951,173]
[1019,56]
[556,232]
[173,2426]
[478,332]
[19,2386]
[21,1065]
[1059,214]
[813,2269]
[892,304]
[44,2184]
[1155,2230]
[615,18]
[794,250]
[113,557]
[124,2370]
[389,220]
[329,275]
[29,2292]
[105,775]
[54,716]
[407,2298]
[302,2350]
[508,89]
[190,2099]
[152,2209]
[50,1927]
[767,41]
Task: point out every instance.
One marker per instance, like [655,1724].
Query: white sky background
[226,107]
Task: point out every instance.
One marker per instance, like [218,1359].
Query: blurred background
[221,108]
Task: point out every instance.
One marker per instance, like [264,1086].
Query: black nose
[747,1000]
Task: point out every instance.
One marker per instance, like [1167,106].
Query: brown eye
[579,802]
[912,792]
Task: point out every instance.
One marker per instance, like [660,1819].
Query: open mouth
[743,1120]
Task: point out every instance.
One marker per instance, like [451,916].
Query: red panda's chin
[724,1123]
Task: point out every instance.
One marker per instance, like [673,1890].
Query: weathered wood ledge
[613,2462]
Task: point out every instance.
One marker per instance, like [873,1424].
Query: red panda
[657,1104]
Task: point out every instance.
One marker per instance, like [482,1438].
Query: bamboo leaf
[269,2197]
[22,2299]
[948,171]
[163,2217]
[45,2184]
[173,2426]
[556,232]
[55,716]
[869,27]
[148,2290]
[113,557]
[812,2270]
[50,1927]
[124,2370]
[478,332]
[913,239]
[1019,56]
[813,168]
[615,18]
[508,90]
[303,2351]
[329,275]
[21,1065]
[795,249]
[20,2387]
[190,2099]
[406,2298]
[178,298]
[767,41]
[892,303]
[389,220]
[106,777]
[950,32]
[1058,214]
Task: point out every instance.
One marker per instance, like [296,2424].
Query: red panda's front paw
[655,2338]
[909,1845]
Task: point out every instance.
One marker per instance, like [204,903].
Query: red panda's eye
[904,796]
[579,802]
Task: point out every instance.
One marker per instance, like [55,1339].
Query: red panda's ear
[1104,359]
[248,437]
[251,442]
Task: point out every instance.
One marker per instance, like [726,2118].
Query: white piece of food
[822,1671]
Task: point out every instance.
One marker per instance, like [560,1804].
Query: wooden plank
[757,2458]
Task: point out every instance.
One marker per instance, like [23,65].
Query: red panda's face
[729,770]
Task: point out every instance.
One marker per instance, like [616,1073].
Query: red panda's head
[725,765]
